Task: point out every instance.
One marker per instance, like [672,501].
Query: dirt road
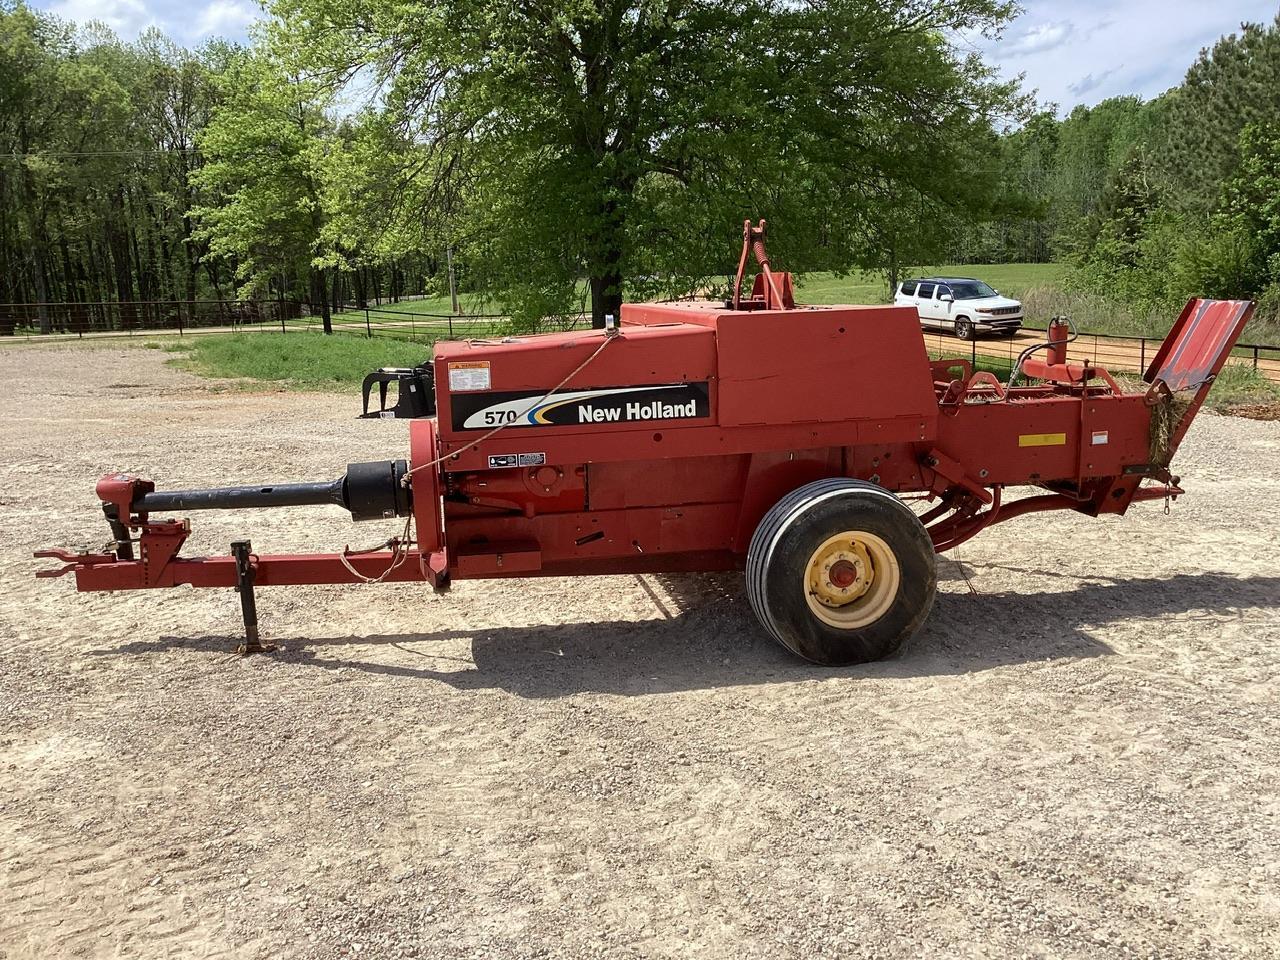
[1076,758]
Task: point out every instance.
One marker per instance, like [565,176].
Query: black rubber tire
[964,328]
[784,542]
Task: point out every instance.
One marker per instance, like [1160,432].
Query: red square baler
[817,447]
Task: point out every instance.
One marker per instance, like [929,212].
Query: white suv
[962,305]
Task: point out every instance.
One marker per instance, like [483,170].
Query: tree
[39,81]
[621,140]
[1251,203]
[97,144]
[264,155]
[1231,85]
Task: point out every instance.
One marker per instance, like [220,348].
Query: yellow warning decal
[1042,439]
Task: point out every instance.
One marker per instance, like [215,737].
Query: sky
[1070,52]
[1084,51]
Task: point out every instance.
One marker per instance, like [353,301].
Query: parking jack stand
[241,550]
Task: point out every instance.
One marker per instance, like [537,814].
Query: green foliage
[1232,85]
[1251,204]
[569,154]
[625,142]
[1238,385]
[96,144]
[264,150]
[1193,209]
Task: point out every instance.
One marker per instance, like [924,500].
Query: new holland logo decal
[527,408]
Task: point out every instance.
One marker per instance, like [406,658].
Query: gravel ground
[1076,758]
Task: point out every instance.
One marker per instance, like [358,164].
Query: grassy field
[1011,279]
[1040,287]
[303,361]
[468,303]
[306,361]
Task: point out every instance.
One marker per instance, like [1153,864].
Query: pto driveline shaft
[232,498]
[371,491]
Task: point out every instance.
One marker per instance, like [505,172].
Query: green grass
[1040,287]
[1011,279]
[302,361]
[468,303]
[1239,385]
[306,361]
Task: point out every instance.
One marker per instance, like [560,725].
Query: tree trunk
[606,278]
[606,281]
[606,298]
[42,291]
[118,243]
[362,288]
[38,248]
[320,297]
[188,249]
[69,291]
[893,269]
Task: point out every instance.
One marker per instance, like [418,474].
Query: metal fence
[158,318]
[1117,352]
[415,325]
[125,318]
[1121,354]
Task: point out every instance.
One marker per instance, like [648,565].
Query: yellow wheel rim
[851,579]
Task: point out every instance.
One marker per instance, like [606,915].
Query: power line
[98,153]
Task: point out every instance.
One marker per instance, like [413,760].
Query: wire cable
[609,338]
[399,554]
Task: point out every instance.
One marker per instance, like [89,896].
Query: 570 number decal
[494,418]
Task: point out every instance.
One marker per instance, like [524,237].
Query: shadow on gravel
[707,637]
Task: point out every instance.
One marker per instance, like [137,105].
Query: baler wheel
[841,571]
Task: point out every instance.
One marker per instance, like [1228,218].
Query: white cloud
[1039,38]
[186,21]
[126,17]
[223,18]
[1107,49]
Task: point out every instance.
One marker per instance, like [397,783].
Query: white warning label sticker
[500,461]
[468,375]
[1100,437]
